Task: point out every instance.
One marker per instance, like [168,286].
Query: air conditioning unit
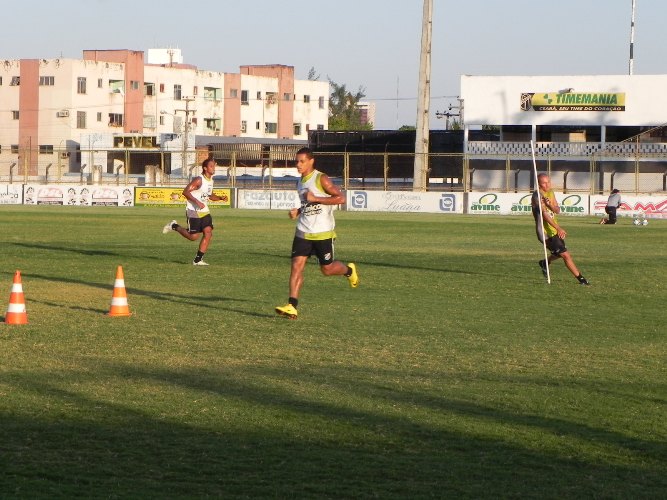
[63,113]
[64,154]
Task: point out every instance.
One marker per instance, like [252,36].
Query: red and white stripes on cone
[119,306]
[16,313]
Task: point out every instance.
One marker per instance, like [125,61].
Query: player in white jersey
[315,232]
[197,193]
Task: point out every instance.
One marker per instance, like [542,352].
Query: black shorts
[556,245]
[197,224]
[323,249]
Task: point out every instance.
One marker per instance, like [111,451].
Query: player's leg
[301,250]
[329,267]
[569,263]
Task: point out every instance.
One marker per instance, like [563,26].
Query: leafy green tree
[407,128]
[344,113]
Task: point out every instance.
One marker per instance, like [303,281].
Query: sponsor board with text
[173,196]
[652,206]
[77,195]
[267,200]
[11,194]
[519,203]
[403,201]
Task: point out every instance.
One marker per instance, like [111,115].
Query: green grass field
[453,371]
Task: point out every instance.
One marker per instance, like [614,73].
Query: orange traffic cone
[119,305]
[16,314]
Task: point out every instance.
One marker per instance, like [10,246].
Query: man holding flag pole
[549,233]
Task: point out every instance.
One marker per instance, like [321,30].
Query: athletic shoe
[584,281]
[543,266]
[353,278]
[288,311]
[167,227]
[200,263]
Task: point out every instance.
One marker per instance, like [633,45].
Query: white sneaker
[167,227]
[200,263]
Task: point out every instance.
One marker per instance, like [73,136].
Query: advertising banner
[652,206]
[519,203]
[11,194]
[77,195]
[404,201]
[267,200]
[173,197]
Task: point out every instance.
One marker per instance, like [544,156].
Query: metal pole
[632,40]
[419,176]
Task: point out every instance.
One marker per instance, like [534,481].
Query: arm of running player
[549,220]
[215,197]
[335,196]
[193,186]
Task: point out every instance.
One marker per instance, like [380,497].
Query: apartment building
[69,113]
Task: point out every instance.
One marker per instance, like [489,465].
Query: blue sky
[369,43]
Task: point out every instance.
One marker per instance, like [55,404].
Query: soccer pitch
[452,371]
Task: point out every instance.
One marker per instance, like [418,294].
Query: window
[134,85]
[233,93]
[81,85]
[259,95]
[244,97]
[320,127]
[115,119]
[46,149]
[306,99]
[149,121]
[0,80]
[149,89]
[212,94]
[117,87]
[244,126]
[195,90]
[177,92]
[270,97]
[287,96]
[321,102]
[14,148]
[297,129]
[16,80]
[257,125]
[15,115]
[213,124]
[80,119]
[162,88]
[161,120]
[270,128]
[100,83]
[99,116]
[47,81]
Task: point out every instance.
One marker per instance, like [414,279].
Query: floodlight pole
[419,177]
[632,40]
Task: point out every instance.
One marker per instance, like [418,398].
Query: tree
[344,113]
[312,74]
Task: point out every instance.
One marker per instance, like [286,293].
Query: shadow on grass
[209,301]
[93,253]
[393,265]
[264,440]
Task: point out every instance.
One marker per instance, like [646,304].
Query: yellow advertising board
[172,196]
[573,101]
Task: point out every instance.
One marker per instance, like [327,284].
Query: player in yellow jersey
[315,232]
[555,234]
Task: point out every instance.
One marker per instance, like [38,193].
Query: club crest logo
[527,101]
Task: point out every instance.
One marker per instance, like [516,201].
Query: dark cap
[615,191]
